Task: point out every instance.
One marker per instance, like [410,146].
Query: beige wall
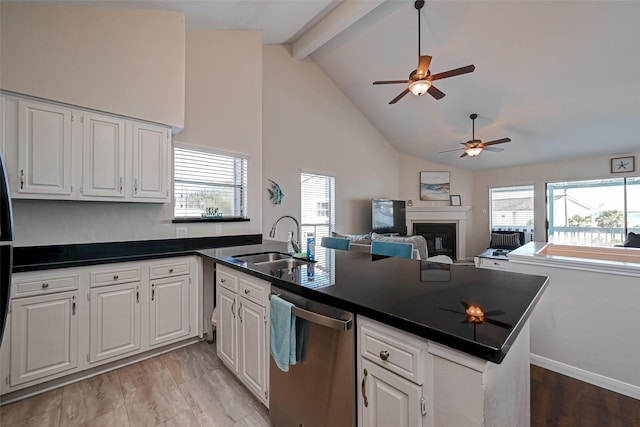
[128,62]
[537,175]
[224,109]
[309,124]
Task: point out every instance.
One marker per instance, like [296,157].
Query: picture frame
[434,186]
[623,164]
[455,200]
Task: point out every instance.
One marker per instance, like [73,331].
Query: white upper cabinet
[53,151]
[151,153]
[44,150]
[103,156]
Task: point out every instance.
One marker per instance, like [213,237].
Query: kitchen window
[596,212]
[317,203]
[209,185]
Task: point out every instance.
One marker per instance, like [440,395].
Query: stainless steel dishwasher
[319,390]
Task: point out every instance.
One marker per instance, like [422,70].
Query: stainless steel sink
[263,257]
[288,264]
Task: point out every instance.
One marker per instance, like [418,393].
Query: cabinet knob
[115,277]
[45,285]
[171,270]
[384,355]
[223,281]
[246,291]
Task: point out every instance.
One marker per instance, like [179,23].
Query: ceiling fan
[420,79]
[474,146]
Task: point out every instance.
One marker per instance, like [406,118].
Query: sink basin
[273,260]
[263,257]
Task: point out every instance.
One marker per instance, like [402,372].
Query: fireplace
[441,237]
[456,215]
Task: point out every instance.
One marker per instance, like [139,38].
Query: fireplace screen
[440,237]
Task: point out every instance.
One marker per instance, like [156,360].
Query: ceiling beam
[338,20]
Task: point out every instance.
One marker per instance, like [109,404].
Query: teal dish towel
[283,333]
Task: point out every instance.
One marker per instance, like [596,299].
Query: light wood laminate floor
[188,387]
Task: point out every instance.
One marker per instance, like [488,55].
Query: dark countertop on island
[424,298]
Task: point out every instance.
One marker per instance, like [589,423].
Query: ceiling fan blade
[423,66]
[494,313]
[399,97]
[464,154]
[452,73]
[390,82]
[448,151]
[497,141]
[496,149]
[435,92]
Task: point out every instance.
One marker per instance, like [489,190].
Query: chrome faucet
[294,242]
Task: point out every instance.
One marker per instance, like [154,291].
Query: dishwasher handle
[320,319]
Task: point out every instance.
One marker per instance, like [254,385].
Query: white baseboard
[586,376]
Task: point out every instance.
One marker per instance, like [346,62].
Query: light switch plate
[181,232]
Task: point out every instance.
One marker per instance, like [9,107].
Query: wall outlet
[181,232]
[218,229]
[484,211]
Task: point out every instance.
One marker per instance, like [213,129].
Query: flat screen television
[389,216]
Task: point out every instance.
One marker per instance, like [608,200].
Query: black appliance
[6,249]
[389,216]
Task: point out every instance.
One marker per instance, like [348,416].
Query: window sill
[196,220]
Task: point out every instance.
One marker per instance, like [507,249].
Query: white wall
[123,61]
[224,109]
[310,124]
[537,175]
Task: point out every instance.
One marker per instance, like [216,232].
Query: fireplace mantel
[442,214]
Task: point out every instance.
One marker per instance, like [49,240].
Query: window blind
[208,184]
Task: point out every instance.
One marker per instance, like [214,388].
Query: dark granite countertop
[32,258]
[424,298]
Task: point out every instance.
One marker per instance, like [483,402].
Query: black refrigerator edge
[6,249]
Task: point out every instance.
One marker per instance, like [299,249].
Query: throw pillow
[505,240]
[419,242]
[632,240]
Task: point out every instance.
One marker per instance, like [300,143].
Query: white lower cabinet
[44,336]
[64,321]
[392,377]
[243,328]
[169,310]
[115,321]
[388,399]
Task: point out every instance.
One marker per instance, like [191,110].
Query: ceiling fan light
[419,87]
[472,152]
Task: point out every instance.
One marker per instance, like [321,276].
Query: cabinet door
[151,149]
[169,309]
[252,348]
[386,399]
[44,149]
[226,337]
[44,336]
[115,321]
[102,156]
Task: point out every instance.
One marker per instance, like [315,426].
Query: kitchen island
[476,366]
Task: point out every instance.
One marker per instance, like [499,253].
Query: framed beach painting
[434,186]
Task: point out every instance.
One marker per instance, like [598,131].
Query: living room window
[209,185]
[317,203]
[597,212]
[512,209]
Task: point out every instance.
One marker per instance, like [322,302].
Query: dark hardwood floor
[561,401]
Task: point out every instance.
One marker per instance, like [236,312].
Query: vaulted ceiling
[560,78]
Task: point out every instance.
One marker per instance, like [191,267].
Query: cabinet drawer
[256,292]
[393,349]
[169,270]
[498,264]
[226,280]
[45,285]
[110,277]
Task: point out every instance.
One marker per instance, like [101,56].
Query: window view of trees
[593,212]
